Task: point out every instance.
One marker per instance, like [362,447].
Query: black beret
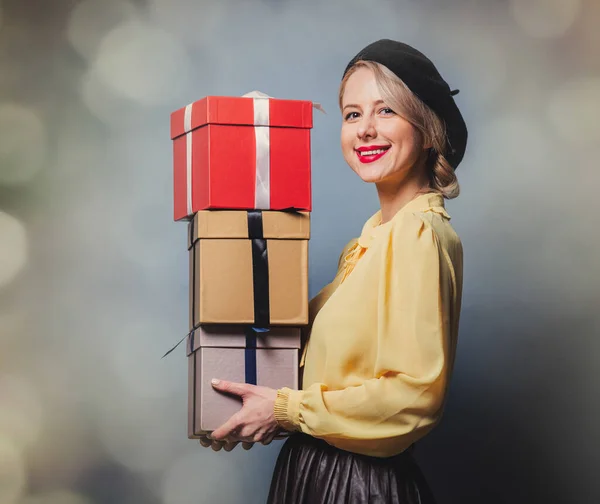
[422,77]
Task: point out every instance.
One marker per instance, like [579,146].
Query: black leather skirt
[310,471]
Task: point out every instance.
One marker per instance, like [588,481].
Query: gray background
[93,271]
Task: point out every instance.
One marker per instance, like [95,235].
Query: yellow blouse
[383,337]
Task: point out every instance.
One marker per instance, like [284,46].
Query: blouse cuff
[287,408]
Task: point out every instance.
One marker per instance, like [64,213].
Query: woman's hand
[255,422]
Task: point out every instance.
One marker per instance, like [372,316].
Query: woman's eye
[351,115]
[387,110]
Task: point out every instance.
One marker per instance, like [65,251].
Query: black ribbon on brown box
[260,269]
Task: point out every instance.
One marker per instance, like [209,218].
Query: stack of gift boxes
[242,181]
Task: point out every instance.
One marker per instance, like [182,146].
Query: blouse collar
[428,202]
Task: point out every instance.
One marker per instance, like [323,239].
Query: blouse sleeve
[386,414]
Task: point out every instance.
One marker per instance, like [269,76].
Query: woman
[383,337]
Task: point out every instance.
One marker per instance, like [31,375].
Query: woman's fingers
[226,445]
[238,389]
[230,445]
[269,438]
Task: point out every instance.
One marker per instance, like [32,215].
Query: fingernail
[214,381]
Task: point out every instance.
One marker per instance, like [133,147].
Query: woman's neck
[394,196]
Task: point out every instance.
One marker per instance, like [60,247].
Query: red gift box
[241,153]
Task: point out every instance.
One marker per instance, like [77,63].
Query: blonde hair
[405,103]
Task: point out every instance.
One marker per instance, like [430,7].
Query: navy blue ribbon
[260,269]
[250,356]
[250,353]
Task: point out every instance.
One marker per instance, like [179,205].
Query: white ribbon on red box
[262,186]
[262,190]
[187,127]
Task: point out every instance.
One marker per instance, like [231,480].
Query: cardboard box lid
[239,110]
[284,337]
[236,224]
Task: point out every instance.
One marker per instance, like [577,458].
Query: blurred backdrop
[93,271]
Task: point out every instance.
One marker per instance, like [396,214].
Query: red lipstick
[371,153]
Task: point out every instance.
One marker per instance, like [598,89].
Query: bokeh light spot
[142,63]
[112,110]
[91,20]
[13,248]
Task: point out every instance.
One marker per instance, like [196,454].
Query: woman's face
[378,144]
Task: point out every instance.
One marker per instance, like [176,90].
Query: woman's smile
[371,153]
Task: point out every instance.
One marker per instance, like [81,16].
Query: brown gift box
[249,267]
[271,367]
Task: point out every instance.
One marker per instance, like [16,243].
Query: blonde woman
[377,364]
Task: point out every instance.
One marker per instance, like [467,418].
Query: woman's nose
[366,128]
